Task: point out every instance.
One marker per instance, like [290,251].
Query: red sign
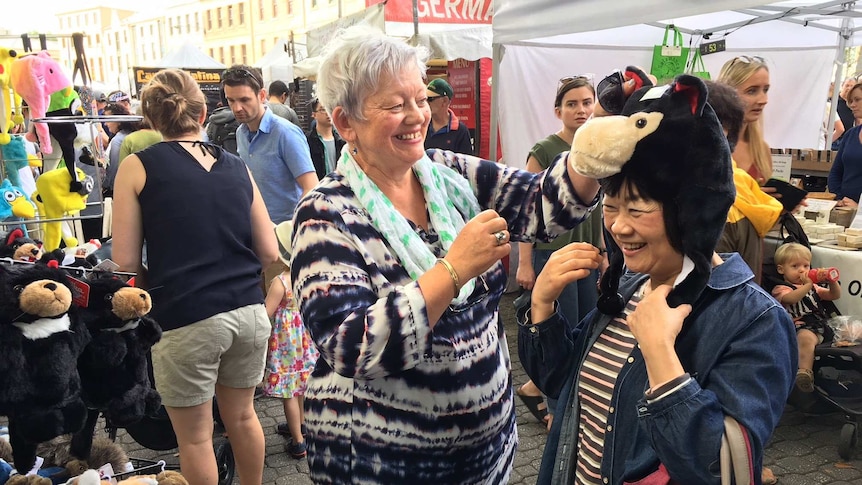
[438,11]
[462,78]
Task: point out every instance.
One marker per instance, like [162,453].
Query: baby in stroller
[802,296]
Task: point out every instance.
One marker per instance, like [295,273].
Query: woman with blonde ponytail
[750,77]
[206,291]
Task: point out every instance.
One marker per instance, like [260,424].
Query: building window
[98,42]
[221,55]
[212,52]
[230,15]
[244,51]
[232,55]
[188,24]
[313,3]
[209,19]
[274,8]
[242,14]
[290,7]
[262,47]
[218,17]
[197,22]
[170,26]
[260,13]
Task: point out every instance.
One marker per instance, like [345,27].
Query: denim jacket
[738,344]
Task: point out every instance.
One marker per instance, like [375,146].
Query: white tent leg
[497,57]
[843,36]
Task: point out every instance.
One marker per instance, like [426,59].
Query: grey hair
[354,62]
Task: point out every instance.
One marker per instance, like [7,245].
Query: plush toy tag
[671,50]
[655,92]
[106,472]
[82,295]
[107,265]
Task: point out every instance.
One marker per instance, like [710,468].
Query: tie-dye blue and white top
[392,400]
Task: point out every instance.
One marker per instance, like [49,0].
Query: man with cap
[445,130]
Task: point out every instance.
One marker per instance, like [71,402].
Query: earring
[355,151]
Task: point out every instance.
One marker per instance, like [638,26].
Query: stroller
[837,370]
[156,433]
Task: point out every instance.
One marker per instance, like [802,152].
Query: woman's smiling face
[637,226]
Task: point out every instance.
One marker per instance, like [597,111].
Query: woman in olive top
[573,106]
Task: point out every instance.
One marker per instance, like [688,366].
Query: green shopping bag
[668,60]
[697,67]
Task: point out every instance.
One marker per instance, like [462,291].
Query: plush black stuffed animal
[40,335]
[669,139]
[113,367]
[21,248]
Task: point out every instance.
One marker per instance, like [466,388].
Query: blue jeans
[576,300]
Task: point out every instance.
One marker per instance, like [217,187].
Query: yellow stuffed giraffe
[7,56]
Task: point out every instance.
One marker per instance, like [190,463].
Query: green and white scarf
[446,192]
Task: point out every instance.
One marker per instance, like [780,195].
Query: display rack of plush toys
[58,197]
[55,111]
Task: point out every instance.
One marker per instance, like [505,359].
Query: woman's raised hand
[566,265]
[483,241]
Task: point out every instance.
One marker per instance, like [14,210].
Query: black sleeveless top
[197,226]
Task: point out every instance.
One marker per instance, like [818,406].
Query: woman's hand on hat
[483,241]
[566,265]
[655,325]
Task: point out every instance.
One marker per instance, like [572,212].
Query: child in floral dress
[291,355]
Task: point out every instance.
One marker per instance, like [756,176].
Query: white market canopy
[277,64]
[534,49]
[188,56]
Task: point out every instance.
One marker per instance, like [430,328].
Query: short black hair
[277,88]
[729,109]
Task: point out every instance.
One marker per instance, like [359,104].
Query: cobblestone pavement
[803,450]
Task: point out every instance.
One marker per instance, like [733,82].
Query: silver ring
[501,237]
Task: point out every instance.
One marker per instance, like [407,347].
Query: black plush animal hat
[666,138]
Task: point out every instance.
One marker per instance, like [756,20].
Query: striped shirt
[598,378]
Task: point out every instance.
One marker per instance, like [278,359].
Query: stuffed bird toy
[14,202]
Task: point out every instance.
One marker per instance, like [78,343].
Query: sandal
[767,477]
[536,405]
[805,380]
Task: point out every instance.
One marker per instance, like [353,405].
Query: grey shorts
[228,348]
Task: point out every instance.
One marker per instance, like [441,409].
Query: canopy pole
[497,57]
[840,60]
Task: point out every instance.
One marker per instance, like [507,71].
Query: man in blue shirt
[274,149]
[445,131]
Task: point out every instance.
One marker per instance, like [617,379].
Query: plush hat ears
[13,235]
[684,164]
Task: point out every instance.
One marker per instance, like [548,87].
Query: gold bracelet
[452,273]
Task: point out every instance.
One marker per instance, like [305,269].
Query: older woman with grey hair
[396,267]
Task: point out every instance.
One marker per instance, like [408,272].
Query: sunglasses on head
[610,92]
[238,73]
[570,79]
[749,59]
